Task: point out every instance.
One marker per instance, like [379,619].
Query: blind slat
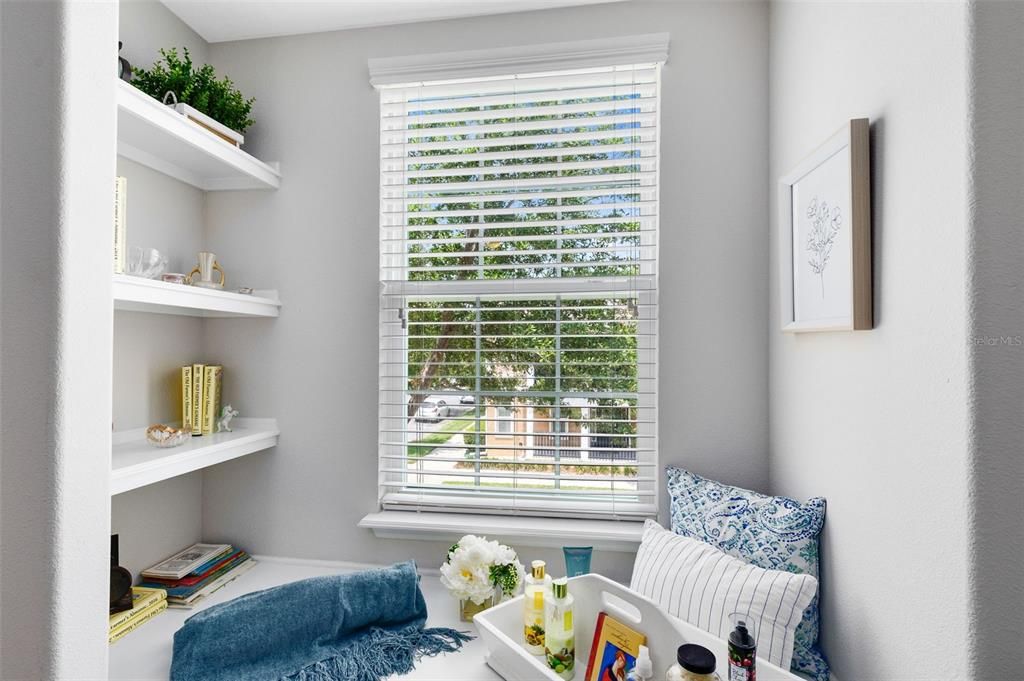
[516,186]
[393,164]
[541,107]
[644,164]
[595,95]
[524,210]
[563,224]
[592,195]
[460,94]
[641,134]
[619,122]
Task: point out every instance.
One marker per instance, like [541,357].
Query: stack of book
[200,397]
[193,574]
[147,603]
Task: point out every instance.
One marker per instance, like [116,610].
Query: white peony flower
[467,572]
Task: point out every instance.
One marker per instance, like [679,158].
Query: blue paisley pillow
[774,533]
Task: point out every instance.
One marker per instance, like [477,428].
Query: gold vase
[468,609]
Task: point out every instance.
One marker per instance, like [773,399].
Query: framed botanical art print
[825,236]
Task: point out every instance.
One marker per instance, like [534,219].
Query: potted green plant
[197,93]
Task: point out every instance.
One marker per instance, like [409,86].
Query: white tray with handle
[501,629]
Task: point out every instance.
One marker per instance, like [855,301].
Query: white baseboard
[338,564]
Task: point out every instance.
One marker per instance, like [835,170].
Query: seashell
[164,436]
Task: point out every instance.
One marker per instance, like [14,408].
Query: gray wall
[316,240]
[996,334]
[146,26]
[878,421]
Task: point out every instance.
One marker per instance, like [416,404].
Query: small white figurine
[226,414]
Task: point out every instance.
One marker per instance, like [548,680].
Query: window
[504,420]
[519,230]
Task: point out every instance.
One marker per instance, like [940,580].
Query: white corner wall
[316,240]
[57,127]
[878,421]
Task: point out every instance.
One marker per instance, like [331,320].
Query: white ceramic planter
[218,129]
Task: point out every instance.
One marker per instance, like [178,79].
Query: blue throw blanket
[363,626]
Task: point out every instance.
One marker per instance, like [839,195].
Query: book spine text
[144,617]
[211,382]
[197,399]
[187,419]
[138,608]
[120,226]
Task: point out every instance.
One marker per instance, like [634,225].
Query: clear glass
[577,560]
[148,263]
[468,609]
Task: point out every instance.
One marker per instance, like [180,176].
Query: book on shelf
[214,572]
[197,399]
[187,419]
[144,616]
[190,601]
[201,575]
[184,562]
[120,226]
[201,387]
[142,598]
[212,376]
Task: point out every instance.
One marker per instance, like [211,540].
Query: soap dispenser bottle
[538,585]
[560,630]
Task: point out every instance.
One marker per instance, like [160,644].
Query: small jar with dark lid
[693,663]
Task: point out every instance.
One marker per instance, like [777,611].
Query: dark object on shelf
[696,659]
[742,653]
[120,582]
[124,69]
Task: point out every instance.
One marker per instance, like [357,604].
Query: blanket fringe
[382,653]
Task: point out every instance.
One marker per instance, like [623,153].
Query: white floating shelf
[159,137]
[136,294]
[136,463]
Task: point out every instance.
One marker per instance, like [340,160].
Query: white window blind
[518,334]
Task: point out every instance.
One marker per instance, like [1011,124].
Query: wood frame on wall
[859,315]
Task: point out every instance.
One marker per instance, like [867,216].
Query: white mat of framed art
[825,236]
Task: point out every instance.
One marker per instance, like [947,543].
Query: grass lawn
[432,441]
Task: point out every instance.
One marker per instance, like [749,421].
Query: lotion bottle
[560,630]
[538,585]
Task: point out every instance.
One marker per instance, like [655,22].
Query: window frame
[563,56]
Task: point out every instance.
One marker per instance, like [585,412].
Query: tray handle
[628,605]
[621,609]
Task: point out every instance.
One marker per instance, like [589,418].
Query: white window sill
[604,535]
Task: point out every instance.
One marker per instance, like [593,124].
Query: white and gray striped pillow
[697,583]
